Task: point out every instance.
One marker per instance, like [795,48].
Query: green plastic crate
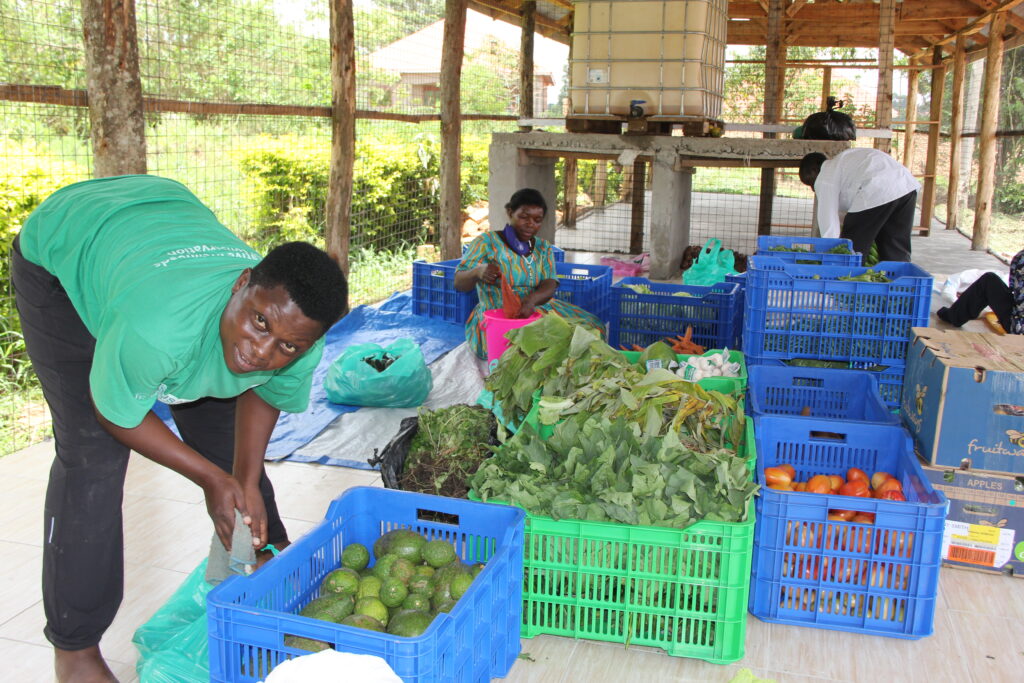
[684,591]
[725,385]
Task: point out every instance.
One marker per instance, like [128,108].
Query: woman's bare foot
[82,666]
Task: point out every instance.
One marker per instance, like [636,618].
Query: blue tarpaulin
[364,324]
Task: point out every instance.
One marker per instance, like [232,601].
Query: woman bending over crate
[516,253]
[1007,302]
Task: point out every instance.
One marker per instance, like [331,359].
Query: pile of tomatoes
[880,485]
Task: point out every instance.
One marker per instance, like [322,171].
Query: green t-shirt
[149,270]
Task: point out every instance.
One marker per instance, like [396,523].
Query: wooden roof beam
[977,25]
[795,7]
[1011,18]
[545,25]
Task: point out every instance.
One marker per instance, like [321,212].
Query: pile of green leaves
[604,470]
[553,356]
[792,248]
[449,445]
[869,275]
[840,249]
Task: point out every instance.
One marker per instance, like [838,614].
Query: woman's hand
[526,309]
[489,273]
[223,496]
[257,517]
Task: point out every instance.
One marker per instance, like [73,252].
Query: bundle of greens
[449,445]
[840,249]
[868,275]
[551,355]
[603,470]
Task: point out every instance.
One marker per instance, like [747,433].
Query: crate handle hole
[831,436]
[285,635]
[435,516]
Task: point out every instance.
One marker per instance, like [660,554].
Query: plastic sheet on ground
[350,440]
[365,324]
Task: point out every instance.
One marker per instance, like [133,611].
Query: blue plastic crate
[820,392]
[434,294]
[818,254]
[880,578]
[715,313]
[797,311]
[587,286]
[888,377]
[249,617]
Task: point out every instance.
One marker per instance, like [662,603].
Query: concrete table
[520,160]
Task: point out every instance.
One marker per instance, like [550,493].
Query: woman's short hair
[526,197]
[810,166]
[312,279]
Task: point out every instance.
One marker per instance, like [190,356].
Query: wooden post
[571,188]
[343,132]
[451,128]
[955,131]
[774,84]
[529,8]
[600,182]
[826,86]
[908,135]
[116,121]
[931,160]
[626,189]
[987,134]
[886,42]
[636,219]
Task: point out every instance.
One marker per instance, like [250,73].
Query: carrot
[637,347]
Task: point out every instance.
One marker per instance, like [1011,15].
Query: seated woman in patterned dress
[516,253]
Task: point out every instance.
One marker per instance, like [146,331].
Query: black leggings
[987,290]
[83,549]
[887,225]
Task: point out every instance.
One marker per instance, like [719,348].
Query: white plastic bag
[956,283]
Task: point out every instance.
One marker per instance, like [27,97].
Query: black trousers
[987,290]
[887,225]
[83,547]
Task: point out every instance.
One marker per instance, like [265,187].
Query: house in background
[416,59]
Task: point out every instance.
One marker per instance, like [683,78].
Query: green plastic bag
[711,267]
[395,376]
[172,645]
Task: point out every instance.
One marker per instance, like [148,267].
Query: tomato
[855,487]
[777,475]
[841,515]
[819,483]
[799,485]
[891,494]
[781,487]
[836,481]
[864,518]
[788,469]
[888,485]
[878,477]
[855,473]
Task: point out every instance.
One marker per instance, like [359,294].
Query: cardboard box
[963,399]
[985,524]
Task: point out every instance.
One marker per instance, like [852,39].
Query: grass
[375,275]
[1005,236]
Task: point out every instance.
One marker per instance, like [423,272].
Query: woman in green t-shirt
[131,292]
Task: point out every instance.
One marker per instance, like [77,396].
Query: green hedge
[395,198]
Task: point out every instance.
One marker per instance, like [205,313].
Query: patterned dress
[1017,292]
[524,273]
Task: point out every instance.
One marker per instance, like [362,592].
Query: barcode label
[654,364]
[986,558]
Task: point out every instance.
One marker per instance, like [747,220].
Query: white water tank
[667,54]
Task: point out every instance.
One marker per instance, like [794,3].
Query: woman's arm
[254,423]
[465,280]
[540,295]
[152,439]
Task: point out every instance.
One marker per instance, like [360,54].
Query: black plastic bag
[392,459]
[829,125]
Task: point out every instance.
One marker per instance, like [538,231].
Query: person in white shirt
[875,192]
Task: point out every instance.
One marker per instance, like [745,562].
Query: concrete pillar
[511,170]
[670,215]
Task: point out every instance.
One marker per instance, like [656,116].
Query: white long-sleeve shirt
[856,180]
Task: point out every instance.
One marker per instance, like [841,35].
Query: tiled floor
[979,630]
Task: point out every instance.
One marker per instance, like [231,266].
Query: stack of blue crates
[797,312]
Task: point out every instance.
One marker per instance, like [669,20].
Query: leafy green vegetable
[840,249]
[604,470]
[868,275]
[449,445]
[551,355]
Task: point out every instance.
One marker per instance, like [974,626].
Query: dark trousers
[987,290]
[83,549]
[887,225]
